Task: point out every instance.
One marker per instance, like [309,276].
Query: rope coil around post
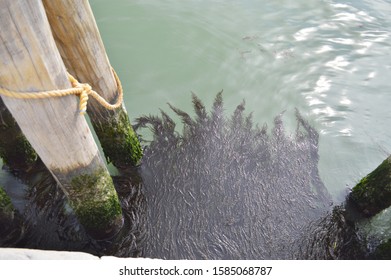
[83,90]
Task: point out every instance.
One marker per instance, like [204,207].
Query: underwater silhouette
[226,189]
[223,188]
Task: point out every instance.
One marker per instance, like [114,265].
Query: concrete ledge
[32,254]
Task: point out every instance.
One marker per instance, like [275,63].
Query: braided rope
[83,90]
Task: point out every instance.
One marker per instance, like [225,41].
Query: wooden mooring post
[81,47]
[30,62]
[373,193]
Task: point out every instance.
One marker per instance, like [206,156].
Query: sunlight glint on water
[329,59]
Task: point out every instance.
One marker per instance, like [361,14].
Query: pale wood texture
[81,47]
[30,61]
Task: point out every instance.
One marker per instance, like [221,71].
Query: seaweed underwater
[225,188]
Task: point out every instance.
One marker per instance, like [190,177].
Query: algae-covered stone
[373,193]
[120,143]
[96,204]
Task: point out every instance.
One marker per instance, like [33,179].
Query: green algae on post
[120,143]
[6,207]
[96,204]
[383,251]
[15,150]
[373,193]
[89,63]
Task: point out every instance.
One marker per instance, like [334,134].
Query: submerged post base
[6,207]
[383,251]
[373,193]
[11,226]
[120,143]
[15,150]
[96,204]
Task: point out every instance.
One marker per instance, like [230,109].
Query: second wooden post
[81,47]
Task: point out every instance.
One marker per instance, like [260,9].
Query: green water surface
[329,59]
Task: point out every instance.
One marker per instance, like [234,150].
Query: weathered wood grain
[83,52]
[30,61]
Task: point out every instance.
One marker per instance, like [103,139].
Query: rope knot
[84,98]
[83,90]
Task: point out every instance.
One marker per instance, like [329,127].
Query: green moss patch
[383,251]
[119,141]
[373,193]
[15,150]
[6,206]
[95,201]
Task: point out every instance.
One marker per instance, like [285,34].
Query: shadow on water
[227,189]
[223,188]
